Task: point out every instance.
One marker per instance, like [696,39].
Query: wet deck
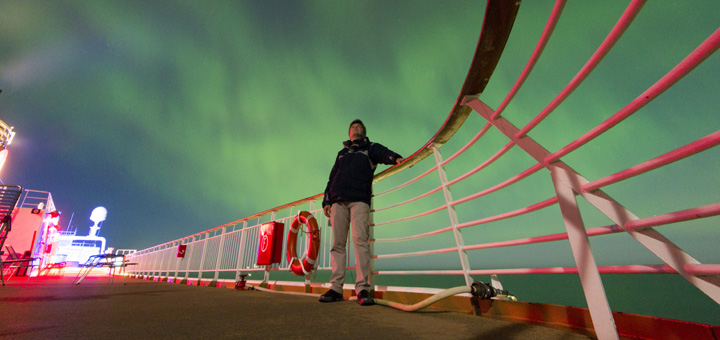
[55,308]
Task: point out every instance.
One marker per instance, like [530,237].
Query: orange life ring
[306,266]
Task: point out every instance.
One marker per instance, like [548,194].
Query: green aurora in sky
[186,115]
[179,116]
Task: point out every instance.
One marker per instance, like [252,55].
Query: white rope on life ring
[306,266]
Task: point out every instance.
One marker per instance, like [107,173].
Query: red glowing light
[3,157]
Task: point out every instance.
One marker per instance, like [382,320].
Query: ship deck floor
[52,307]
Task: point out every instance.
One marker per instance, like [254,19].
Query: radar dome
[98,215]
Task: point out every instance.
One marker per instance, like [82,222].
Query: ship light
[3,157]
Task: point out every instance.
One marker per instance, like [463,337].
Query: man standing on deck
[347,202]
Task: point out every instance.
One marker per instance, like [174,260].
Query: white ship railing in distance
[36,199]
[475,219]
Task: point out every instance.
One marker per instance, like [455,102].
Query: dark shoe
[331,296]
[364,298]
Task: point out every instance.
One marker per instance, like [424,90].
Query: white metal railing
[473,216]
[6,134]
[33,199]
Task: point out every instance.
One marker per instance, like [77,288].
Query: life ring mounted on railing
[306,266]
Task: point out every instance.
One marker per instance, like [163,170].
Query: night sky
[179,116]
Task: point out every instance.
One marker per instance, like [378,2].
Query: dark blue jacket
[351,176]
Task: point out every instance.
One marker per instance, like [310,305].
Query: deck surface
[54,308]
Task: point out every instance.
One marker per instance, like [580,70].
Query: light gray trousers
[342,216]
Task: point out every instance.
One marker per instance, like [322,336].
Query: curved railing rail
[536,188]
